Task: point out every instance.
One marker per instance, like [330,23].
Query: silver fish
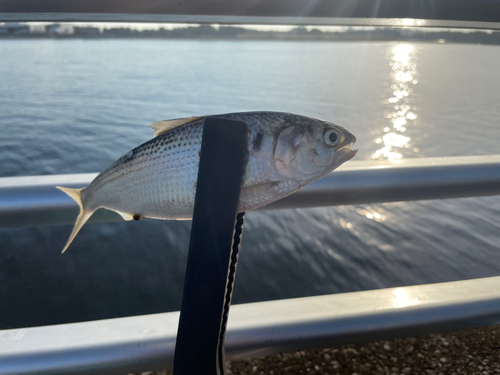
[158,178]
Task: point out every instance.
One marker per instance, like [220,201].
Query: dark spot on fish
[137,217]
[199,153]
[257,142]
[314,151]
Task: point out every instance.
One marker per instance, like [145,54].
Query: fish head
[308,149]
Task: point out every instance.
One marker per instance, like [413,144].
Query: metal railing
[119,346]
[147,342]
[34,200]
[444,13]
[141,343]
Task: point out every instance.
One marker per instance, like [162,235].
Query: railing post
[213,249]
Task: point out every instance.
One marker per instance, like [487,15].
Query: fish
[157,179]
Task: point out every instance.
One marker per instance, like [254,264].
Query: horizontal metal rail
[443,13]
[141,343]
[246,20]
[34,200]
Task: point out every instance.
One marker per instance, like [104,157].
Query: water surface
[74,106]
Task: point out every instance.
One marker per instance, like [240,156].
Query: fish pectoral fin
[262,187]
[125,215]
[164,126]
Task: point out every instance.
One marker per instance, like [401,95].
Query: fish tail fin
[76,195]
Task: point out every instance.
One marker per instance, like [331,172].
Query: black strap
[213,249]
[238,233]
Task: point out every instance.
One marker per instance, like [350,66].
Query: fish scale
[166,167]
[158,178]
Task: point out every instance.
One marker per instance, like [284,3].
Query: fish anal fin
[125,215]
[164,126]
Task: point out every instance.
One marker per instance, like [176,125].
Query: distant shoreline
[205,32]
[431,41]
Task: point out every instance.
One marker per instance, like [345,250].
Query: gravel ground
[475,351]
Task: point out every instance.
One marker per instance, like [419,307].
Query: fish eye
[331,137]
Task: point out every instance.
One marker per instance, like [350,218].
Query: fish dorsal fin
[164,126]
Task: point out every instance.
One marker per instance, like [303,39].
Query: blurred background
[75,97]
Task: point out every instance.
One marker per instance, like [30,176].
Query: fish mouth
[346,152]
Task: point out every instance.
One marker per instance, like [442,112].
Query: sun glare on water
[400,111]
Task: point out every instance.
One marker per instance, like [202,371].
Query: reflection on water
[372,213]
[401,113]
